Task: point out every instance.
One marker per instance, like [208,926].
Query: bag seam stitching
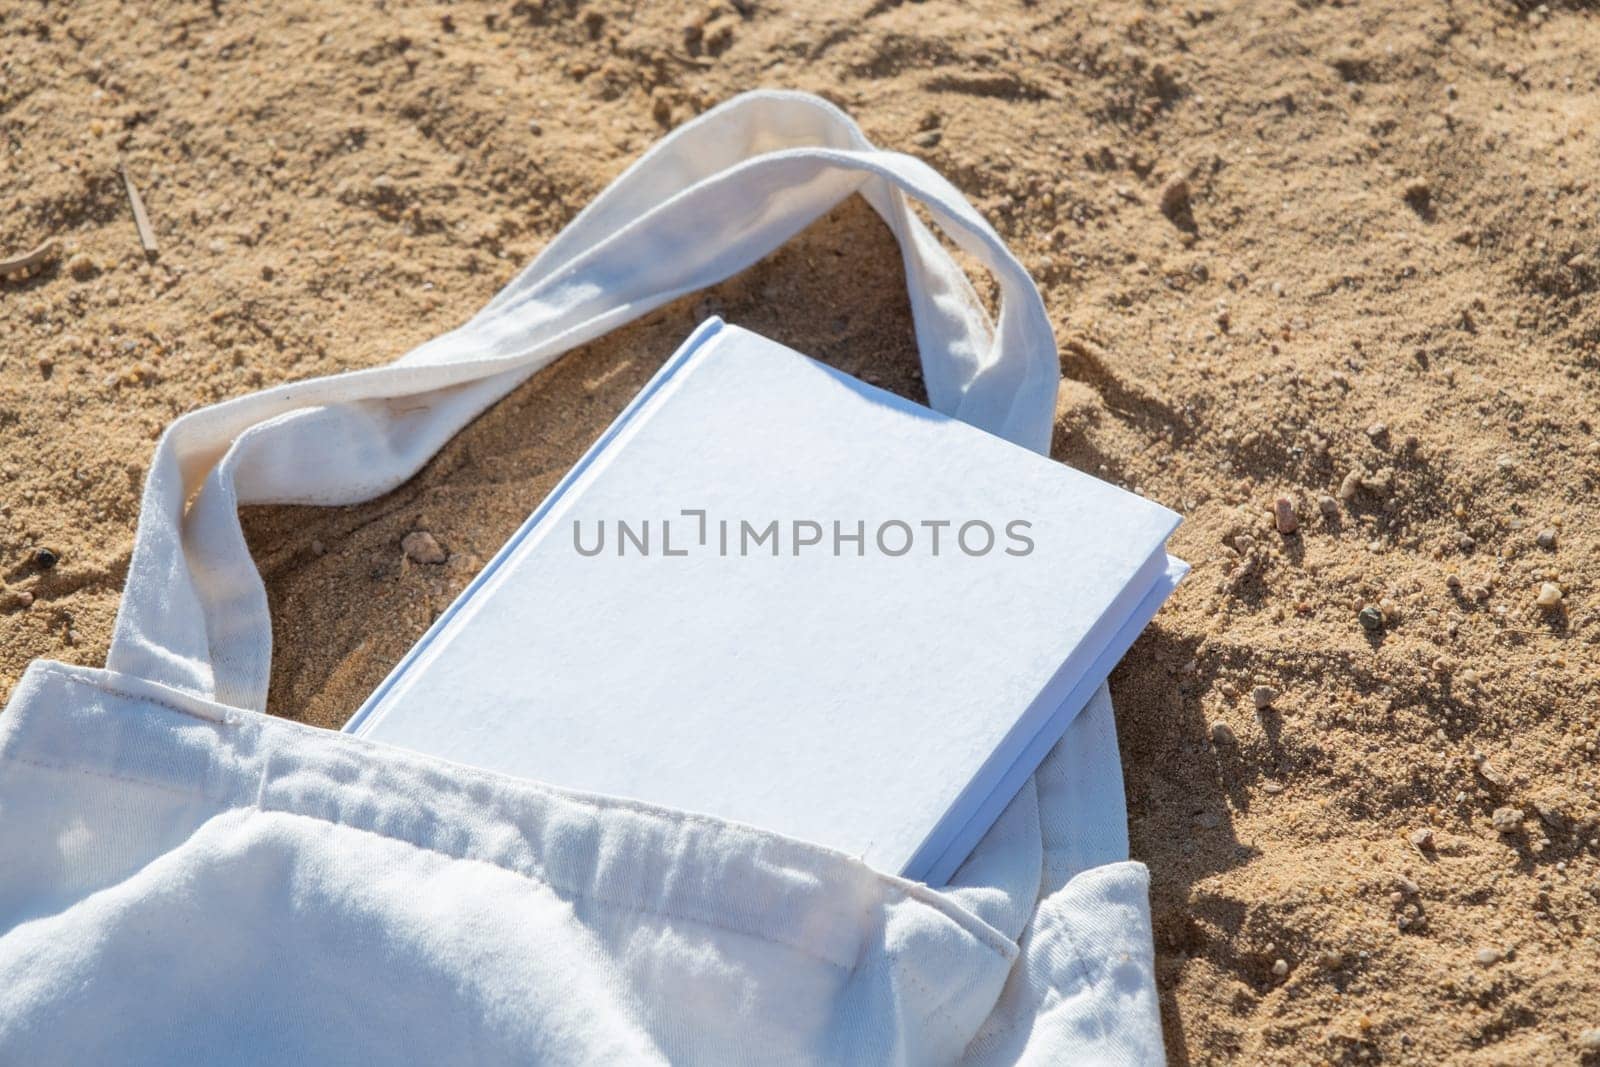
[559,888]
[52,672]
[190,794]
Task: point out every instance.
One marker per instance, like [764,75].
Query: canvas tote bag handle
[706,202]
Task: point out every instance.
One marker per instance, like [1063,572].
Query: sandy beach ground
[1344,253]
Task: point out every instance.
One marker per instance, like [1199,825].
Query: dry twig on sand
[44,251]
[141,221]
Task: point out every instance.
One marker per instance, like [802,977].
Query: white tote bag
[186,879]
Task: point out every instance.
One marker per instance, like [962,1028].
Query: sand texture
[1344,253]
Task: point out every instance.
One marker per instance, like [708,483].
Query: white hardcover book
[775,594]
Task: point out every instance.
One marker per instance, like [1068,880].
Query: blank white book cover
[775,594]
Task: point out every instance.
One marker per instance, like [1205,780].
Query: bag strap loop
[706,202]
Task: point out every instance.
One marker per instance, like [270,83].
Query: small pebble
[1175,199]
[45,558]
[318,548]
[1283,513]
[1549,598]
[1465,543]
[420,547]
[1422,839]
[1547,538]
[1487,957]
[1589,1040]
[1371,618]
[1222,734]
[1280,968]
[1327,505]
[1488,770]
[1506,820]
[1350,486]
[25,598]
[1377,432]
[1263,695]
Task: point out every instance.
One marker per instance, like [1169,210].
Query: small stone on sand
[1487,957]
[1589,1040]
[1506,820]
[1283,514]
[1371,618]
[1263,695]
[1350,486]
[1280,968]
[1547,538]
[1222,734]
[1175,198]
[420,547]
[1549,598]
[1422,839]
[1327,505]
